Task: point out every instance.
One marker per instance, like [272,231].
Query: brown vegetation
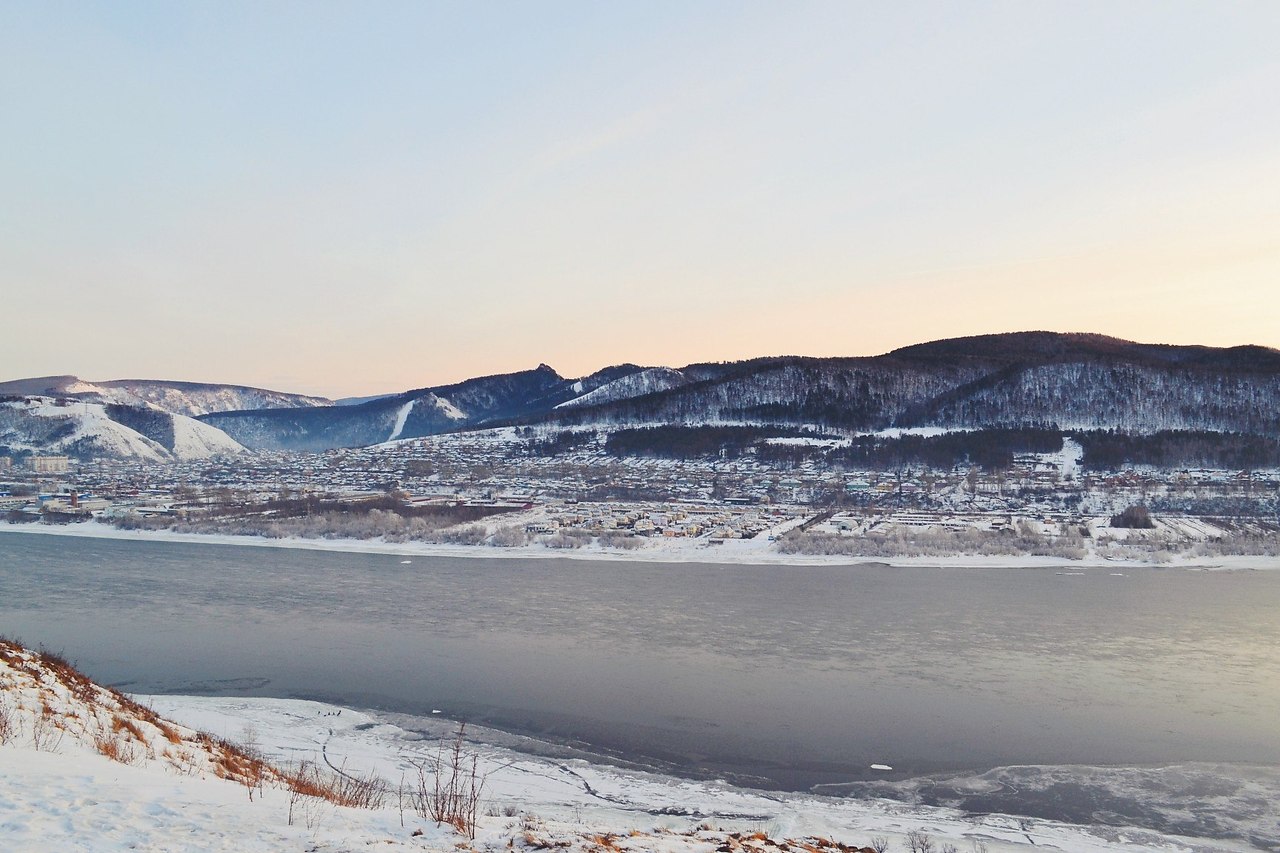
[117,727]
[115,749]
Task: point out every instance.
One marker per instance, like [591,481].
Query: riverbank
[758,551]
[83,767]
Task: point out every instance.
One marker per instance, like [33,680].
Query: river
[773,676]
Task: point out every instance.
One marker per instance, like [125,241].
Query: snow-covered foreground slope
[167,788]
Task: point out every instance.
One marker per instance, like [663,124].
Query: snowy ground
[757,551]
[58,791]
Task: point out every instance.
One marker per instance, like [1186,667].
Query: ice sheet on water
[1222,801]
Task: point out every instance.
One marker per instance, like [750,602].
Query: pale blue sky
[348,198]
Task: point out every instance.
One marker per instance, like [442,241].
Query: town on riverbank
[504,490]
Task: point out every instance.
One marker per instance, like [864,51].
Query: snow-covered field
[757,551]
[59,791]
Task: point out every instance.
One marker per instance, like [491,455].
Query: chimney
[75,498]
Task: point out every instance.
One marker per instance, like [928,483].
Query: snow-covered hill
[193,398]
[647,381]
[112,430]
[179,398]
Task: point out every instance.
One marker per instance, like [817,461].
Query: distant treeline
[696,442]
[561,442]
[988,449]
[991,449]
[1180,449]
[309,505]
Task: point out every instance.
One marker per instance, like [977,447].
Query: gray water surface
[770,675]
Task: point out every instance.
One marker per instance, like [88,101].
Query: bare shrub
[388,523]
[560,540]
[450,785]
[306,795]
[471,534]
[919,842]
[510,536]
[46,733]
[936,543]
[880,844]
[1239,544]
[356,791]
[8,721]
[620,539]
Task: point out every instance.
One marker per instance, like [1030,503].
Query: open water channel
[1124,694]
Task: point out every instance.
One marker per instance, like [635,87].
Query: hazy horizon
[429,382]
[350,200]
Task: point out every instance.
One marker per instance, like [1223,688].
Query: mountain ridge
[176,397]
[1067,380]
[1054,379]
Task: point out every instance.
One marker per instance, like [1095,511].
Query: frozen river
[773,676]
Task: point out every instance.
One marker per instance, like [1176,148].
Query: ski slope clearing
[648,381]
[193,439]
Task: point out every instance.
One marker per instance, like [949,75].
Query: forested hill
[1044,379]
[1032,378]
[424,411]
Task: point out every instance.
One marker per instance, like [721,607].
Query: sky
[354,198]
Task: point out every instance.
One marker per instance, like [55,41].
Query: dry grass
[309,784]
[116,750]
[125,739]
[170,733]
[127,726]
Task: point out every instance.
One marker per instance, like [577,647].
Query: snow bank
[757,551]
